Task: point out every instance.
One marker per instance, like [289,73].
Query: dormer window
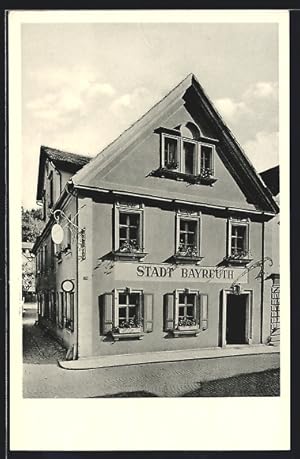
[51,189]
[186,157]
[206,159]
[190,159]
[170,156]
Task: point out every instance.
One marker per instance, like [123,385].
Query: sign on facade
[163,272]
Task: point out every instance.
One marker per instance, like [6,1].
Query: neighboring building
[28,272]
[271,179]
[169,217]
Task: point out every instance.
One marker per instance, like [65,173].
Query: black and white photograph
[150,158]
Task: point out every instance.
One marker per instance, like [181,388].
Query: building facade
[28,273]
[164,237]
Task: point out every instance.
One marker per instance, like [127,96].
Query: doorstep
[105,361]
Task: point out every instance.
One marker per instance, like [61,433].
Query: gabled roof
[130,134]
[190,91]
[271,179]
[62,160]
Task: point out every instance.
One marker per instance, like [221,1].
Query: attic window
[171,152]
[185,158]
[51,189]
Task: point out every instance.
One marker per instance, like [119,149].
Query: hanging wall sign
[67,286]
[57,234]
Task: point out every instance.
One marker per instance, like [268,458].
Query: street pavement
[43,378]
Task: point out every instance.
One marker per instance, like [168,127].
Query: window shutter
[116,240]
[107,310]
[204,311]
[198,307]
[57,308]
[177,232]
[148,312]
[169,311]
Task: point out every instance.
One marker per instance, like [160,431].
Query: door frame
[249,315]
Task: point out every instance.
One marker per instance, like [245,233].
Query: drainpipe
[75,352]
[262,282]
[69,189]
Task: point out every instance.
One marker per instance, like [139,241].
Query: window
[238,240]
[38,262]
[206,160]
[129,231]
[69,235]
[45,259]
[52,256]
[187,309]
[69,300]
[44,205]
[61,307]
[129,310]
[187,157]
[187,236]
[53,313]
[238,250]
[51,189]
[39,303]
[126,312]
[46,305]
[185,312]
[190,166]
[170,153]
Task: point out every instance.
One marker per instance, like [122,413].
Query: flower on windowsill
[171,164]
[189,251]
[185,322]
[129,246]
[130,324]
[206,172]
[239,254]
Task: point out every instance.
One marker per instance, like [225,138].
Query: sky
[84,84]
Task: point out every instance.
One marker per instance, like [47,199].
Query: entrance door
[236,319]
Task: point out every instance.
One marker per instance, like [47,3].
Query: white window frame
[181,156]
[116,304]
[188,216]
[213,154]
[238,222]
[129,209]
[176,301]
[195,158]
[178,154]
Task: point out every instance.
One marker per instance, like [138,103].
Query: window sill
[127,335]
[181,176]
[231,261]
[129,255]
[187,259]
[182,331]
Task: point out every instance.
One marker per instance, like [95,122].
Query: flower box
[123,330]
[187,327]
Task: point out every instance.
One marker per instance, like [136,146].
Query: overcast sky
[83,84]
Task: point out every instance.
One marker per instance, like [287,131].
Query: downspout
[75,353]
[262,282]
[69,188]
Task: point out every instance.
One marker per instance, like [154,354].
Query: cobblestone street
[229,376]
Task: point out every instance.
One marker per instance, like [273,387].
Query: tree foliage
[32,224]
